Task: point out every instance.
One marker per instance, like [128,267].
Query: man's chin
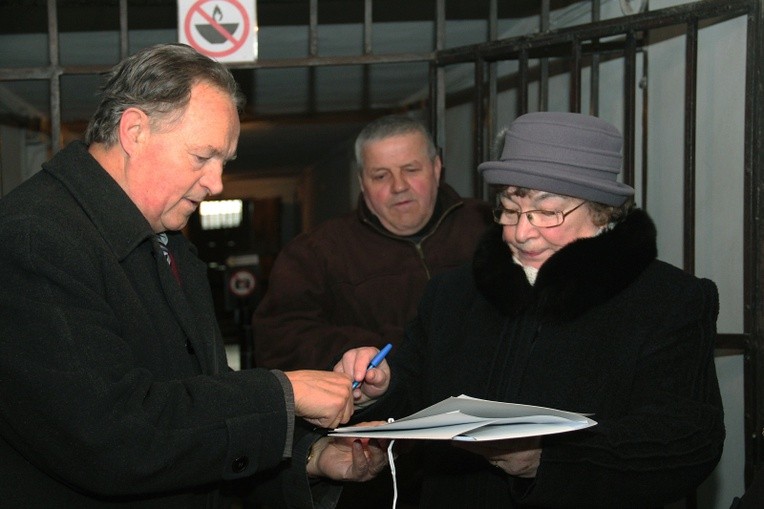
[403,230]
[175,224]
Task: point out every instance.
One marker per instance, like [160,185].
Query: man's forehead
[408,137]
[397,143]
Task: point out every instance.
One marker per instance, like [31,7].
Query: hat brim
[506,173]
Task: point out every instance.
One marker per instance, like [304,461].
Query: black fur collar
[579,276]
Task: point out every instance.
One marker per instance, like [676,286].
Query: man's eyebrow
[214,152]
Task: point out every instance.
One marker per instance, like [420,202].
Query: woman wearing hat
[565,305]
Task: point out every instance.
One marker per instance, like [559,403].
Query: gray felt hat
[563,153]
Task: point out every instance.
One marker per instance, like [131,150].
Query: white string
[391,461]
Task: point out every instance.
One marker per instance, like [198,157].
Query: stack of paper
[467,418]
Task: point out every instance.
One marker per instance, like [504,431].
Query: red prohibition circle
[242,276]
[197,7]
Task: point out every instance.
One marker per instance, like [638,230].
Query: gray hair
[389,126]
[157,80]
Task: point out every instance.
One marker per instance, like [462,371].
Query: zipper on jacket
[420,252]
[417,245]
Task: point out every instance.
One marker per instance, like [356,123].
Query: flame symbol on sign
[212,34]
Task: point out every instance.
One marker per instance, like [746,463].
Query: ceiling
[295,116]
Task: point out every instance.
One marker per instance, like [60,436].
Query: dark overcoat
[607,329]
[114,387]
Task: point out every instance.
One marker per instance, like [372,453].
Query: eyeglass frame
[558,213]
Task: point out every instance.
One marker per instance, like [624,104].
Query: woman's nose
[523,229]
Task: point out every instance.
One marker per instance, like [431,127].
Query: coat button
[190,348]
[240,464]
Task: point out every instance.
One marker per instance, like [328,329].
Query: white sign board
[225,30]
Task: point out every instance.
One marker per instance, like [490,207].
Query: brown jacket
[351,283]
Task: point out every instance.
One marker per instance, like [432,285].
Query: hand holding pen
[376,361]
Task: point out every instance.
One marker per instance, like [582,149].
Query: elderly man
[115,390]
[356,280]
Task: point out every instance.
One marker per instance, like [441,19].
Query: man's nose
[400,183]
[212,179]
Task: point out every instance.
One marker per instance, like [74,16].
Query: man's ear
[437,166]
[133,127]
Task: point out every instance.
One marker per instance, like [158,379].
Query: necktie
[163,240]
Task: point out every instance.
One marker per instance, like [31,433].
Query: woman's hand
[347,459]
[519,457]
[375,381]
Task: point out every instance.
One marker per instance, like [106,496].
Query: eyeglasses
[539,218]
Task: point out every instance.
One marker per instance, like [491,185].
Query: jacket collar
[117,218]
[448,200]
[579,276]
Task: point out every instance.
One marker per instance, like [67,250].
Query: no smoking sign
[225,30]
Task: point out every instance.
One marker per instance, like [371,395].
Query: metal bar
[575,77]
[440,24]
[439,127]
[313,52]
[313,29]
[522,93]
[123,38]
[493,20]
[753,228]
[503,48]
[367,26]
[732,342]
[478,135]
[629,113]
[55,77]
[690,116]
[26,73]
[544,63]
[392,58]
[556,48]
[20,73]
[433,85]
[594,78]
[492,90]
[440,107]
[645,126]
[367,49]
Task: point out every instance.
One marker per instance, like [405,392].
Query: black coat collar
[579,276]
[107,205]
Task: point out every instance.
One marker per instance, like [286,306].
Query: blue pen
[375,362]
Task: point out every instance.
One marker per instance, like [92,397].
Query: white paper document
[471,419]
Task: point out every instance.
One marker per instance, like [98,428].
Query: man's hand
[347,459]
[322,398]
[375,381]
[519,457]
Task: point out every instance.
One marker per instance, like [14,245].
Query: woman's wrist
[314,453]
